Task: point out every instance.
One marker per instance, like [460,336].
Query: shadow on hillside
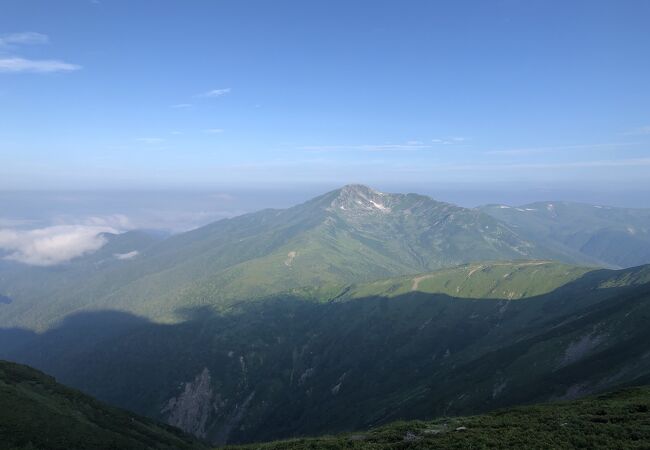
[82,329]
[326,367]
[76,332]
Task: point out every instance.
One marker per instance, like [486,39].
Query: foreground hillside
[38,413]
[619,420]
[308,362]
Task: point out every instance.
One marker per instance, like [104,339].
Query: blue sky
[200,94]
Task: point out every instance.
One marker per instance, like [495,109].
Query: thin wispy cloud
[409,145]
[631,162]
[18,65]
[24,38]
[638,131]
[533,150]
[182,105]
[214,93]
[150,140]
[11,63]
[213,131]
[494,168]
[448,141]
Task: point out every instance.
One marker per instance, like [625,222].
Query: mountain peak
[357,197]
[358,188]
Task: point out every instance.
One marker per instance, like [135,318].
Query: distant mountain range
[353,309]
[353,234]
[603,235]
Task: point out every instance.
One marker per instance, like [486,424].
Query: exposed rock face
[201,411]
[192,408]
[233,420]
[580,348]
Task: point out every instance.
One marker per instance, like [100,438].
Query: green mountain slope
[618,420]
[605,235]
[349,235]
[364,354]
[489,280]
[38,413]
[354,234]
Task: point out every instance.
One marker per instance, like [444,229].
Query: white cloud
[52,245]
[215,93]
[213,130]
[61,241]
[448,141]
[17,65]
[150,140]
[125,256]
[24,38]
[182,105]
[410,145]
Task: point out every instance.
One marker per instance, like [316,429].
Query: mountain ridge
[598,234]
[350,234]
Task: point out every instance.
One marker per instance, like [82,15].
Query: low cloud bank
[52,245]
[60,242]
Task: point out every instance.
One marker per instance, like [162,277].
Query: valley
[350,311]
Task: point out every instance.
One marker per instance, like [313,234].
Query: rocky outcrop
[191,409]
[233,420]
[201,411]
[579,348]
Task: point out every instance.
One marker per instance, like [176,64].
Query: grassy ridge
[619,420]
[503,280]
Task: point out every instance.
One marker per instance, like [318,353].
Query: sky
[469,95]
[161,114]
